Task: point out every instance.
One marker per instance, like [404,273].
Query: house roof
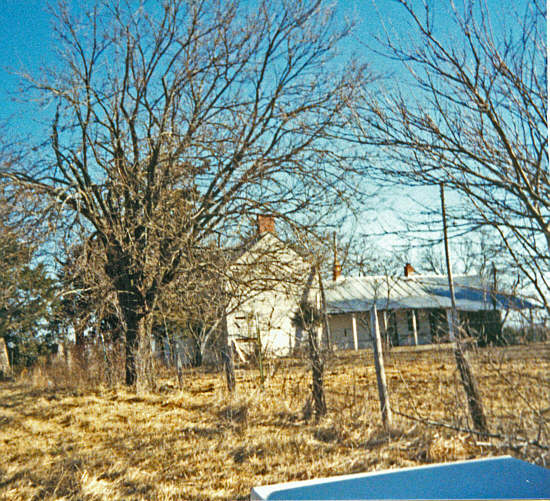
[356,294]
[266,238]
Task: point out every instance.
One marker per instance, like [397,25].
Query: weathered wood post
[467,377]
[5,369]
[415,327]
[380,371]
[354,331]
[385,324]
[227,358]
[317,369]
[260,352]
[326,324]
[309,317]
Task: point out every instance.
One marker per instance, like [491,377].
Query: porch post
[415,329]
[385,324]
[354,330]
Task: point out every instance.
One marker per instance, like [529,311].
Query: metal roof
[354,294]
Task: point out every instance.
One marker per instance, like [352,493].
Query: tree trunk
[79,351]
[132,305]
[144,360]
[196,358]
[317,368]
[132,336]
[229,367]
[137,334]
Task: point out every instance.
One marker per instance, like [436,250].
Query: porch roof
[357,294]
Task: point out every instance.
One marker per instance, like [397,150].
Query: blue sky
[26,42]
[25,33]
[26,45]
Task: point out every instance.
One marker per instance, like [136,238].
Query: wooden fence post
[5,369]
[380,371]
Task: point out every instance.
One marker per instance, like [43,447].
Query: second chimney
[266,224]
[336,266]
[409,270]
[336,271]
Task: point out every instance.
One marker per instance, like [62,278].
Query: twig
[509,441]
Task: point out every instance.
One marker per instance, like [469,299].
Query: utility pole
[326,324]
[464,367]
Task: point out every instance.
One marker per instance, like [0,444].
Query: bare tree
[175,120]
[194,304]
[475,118]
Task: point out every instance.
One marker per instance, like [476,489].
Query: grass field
[197,442]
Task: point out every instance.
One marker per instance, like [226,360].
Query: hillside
[198,443]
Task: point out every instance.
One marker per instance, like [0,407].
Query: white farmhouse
[272,279]
[413,309]
[268,279]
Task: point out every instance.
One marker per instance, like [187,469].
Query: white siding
[272,312]
[275,281]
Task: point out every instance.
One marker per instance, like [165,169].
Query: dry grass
[199,443]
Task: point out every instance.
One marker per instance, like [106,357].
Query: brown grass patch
[200,443]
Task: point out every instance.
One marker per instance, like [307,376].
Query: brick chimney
[336,270]
[266,223]
[409,270]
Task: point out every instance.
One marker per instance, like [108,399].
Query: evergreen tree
[27,297]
